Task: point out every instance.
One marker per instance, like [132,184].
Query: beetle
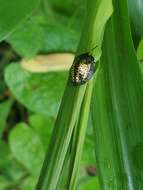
[82,69]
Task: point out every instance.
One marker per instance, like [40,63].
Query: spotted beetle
[82,69]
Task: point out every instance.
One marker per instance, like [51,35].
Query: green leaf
[59,39]
[27,148]
[42,125]
[94,25]
[91,184]
[61,136]
[40,93]
[117,107]
[28,39]
[4,183]
[28,184]
[78,140]
[9,168]
[67,7]
[88,157]
[13,13]
[65,13]
[136,14]
[140,51]
[5,153]
[4,111]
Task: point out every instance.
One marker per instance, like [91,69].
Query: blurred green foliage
[53,27]
[34,90]
[20,162]
[12,13]
[23,39]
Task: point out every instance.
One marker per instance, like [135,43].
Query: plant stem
[79,137]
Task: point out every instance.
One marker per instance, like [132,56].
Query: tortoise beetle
[82,69]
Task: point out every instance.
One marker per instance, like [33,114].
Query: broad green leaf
[13,170]
[42,126]
[67,7]
[4,111]
[28,184]
[70,14]
[40,93]
[10,169]
[28,39]
[27,148]
[117,107]
[4,183]
[12,13]
[59,39]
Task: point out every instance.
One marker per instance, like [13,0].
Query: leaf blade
[117,106]
[12,13]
